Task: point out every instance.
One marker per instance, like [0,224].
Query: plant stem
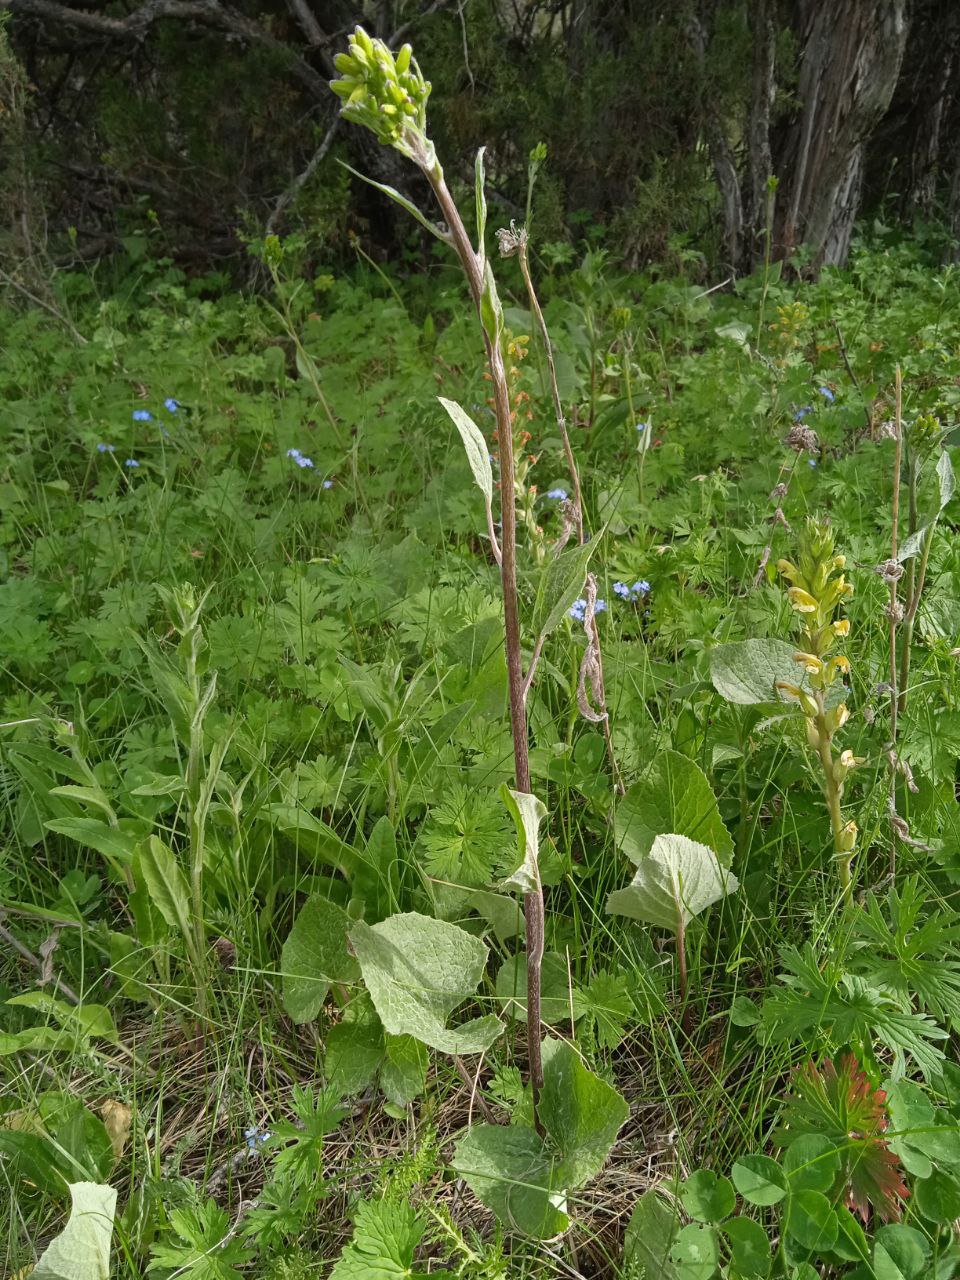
[554,387]
[574,481]
[895,527]
[686,1021]
[831,791]
[473,267]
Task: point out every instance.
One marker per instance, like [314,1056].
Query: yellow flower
[840,663]
[841,627]
[802,600]
[810,662]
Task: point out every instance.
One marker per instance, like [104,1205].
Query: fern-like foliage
[824,1005]
[916,960]
[840,1103]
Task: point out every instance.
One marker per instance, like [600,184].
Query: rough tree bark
[850,62]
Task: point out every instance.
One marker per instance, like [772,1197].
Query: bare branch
[135,25]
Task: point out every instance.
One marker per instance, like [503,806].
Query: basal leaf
[747,671]
[673,796]
[509,1168]
[418,970]
[82,1249]
[581,1113]
[676,880]
[315,955]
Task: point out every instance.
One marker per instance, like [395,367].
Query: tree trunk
[763,31]
[851,51]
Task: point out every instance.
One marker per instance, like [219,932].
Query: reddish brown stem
[533,902]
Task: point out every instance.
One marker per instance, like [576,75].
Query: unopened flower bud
[847,839]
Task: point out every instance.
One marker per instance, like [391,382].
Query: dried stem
[523,253]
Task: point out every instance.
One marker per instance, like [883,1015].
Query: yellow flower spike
[802,600]
[841,627]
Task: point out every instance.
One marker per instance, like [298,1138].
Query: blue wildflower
[600,606]
[802,413]
[811,462]
[106,448]
[827,394]
[293,453]
[578,610]
[622,590]
[131,462]
[255,1137]
[559,494]
[328,484]
[641,588]
[171,405]
[301,461]
[142,415]
[643,426]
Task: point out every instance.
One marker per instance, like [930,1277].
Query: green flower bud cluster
[818,589]
[385,92]
[925,433]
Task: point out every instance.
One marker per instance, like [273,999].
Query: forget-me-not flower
[293,453]
[827,394]
[559,494]
[644,426]
[302,461]
[255,1137]
[142,415]
[171,405]
[621,589]
[802,412]
[328,484]
[131,462]
[578,610]
[106,448]
[811,462]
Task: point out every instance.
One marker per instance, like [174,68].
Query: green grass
[346,625]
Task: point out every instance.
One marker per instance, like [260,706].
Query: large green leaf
[674,795]
[946,484]
[418,970]
[510,1169]
[526,1179]
[747,671]
[311,835]
[82,1249]
[581,1113]
[652,1231]
[315,955]
[676,880]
